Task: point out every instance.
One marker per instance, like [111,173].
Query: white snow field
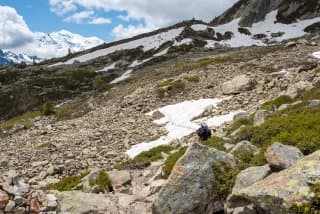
[178,122]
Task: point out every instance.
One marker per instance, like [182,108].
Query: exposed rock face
[278,192]
[280,156]
[191,184]
[250,176]
[237,85]
[252,11]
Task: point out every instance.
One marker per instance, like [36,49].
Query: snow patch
[183,42]
[161,53]
[199,27]
[124,76]
[110,67]
[138,62]
[178,121]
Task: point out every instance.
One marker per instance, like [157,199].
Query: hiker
[204,133]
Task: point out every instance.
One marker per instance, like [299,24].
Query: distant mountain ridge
[58,43]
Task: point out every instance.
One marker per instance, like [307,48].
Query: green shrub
[277,102]
[24,120]
[145,158]
[193,79]
[171,161]
[297,126]
[215,142]
[170,86]
[103,181]
[68,183]
[241,122]
[225,177]
[71,110]
[47,109]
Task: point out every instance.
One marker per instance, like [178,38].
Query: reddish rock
[34,206]
[4,199]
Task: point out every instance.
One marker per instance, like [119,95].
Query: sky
[108,20]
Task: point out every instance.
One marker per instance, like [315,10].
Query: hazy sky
[107,19]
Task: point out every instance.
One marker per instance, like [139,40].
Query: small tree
[47,109]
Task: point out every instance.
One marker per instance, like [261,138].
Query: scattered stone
[280,156]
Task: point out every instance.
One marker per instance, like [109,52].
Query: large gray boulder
[190,187]
[250,176]
[280,156]
[237,85]
[277,193]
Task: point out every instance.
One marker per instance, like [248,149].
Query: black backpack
[204,132]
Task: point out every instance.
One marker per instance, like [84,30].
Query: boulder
[314,103]
[280,156]
[260,117]
[237,85]
[294,90]
[244,147]
[190,187]
[80,202]
[277,193]
[119,178]
[250,176]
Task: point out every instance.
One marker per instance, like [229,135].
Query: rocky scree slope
[51,148]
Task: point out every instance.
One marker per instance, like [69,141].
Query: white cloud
[86,17]
[14,32]
[80,17]
[155,14]
[121,32]
[100,20]
[62,7]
